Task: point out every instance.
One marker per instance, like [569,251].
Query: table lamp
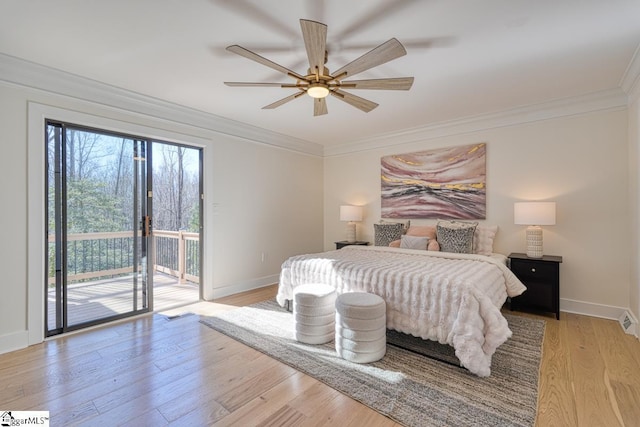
[534,214]
[351,214]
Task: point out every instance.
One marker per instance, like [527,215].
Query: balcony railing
[102,255]
[177,253]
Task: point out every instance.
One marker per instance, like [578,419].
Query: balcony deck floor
[104,298]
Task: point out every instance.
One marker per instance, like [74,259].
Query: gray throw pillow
[456,237]
[386,233]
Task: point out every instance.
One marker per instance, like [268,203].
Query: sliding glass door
[99,227]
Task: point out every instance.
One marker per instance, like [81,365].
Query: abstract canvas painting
[446,183]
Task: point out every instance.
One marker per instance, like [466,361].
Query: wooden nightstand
[541,276]
[341,244]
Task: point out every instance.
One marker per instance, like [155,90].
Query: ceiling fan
[319,82]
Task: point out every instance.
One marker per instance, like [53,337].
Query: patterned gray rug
[418,382]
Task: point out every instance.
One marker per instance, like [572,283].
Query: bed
[451,298]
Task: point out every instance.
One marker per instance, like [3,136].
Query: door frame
[201,153]
[36,180]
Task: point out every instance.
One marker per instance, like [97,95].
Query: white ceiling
[468,57]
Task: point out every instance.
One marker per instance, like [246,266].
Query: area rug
[418,382]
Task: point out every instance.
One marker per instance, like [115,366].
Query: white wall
[259,198]
[581,162]
[634,197]
[268,201]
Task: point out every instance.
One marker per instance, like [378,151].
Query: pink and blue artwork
[446,183]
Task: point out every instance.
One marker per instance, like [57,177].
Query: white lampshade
[534,213]
[350,213]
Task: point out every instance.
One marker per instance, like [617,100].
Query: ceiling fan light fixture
[318,90]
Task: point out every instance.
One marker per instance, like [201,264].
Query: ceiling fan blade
[360,103]
[315,41]
[239,50]
[320,106]
[399,83]
[408,43]
[387,51]
[283,101]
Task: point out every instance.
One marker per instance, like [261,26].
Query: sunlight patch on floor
[204,308]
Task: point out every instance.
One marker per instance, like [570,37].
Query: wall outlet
[629,323]
[264,256]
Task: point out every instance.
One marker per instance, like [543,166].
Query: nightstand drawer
[534,270]
[541,276]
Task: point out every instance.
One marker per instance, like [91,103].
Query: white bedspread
[454,299]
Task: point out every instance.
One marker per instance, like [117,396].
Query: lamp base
[534,241]
[351,232]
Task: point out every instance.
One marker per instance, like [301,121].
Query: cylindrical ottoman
[361,327]
[314,313]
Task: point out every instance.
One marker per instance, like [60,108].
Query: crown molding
[609,100]
[38,77]
[35,76]
[630,82]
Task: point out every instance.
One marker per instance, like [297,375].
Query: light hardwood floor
[153,371]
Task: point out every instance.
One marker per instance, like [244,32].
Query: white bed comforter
[454,299]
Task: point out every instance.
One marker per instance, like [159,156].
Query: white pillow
[483,239]
[414,242]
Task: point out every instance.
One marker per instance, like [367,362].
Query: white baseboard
[226,290]
[14,341]
[591,309]
[598,310]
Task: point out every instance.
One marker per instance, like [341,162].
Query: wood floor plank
[148,395]
[628,402]
[218,376]
[255,377]
[206,414]
[286,416]
[371,419]
[211,349]
[179,379]
[338,410]
[262,407]
[199,408]
[150,418]
[71,414]
[593,403]
[154,371]
[215,402]
[621,371]
[83,397]
[317,396]
[556,404]
[32,380]
[143,351]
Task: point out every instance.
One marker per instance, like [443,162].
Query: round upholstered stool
[314,313]
[361,327]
